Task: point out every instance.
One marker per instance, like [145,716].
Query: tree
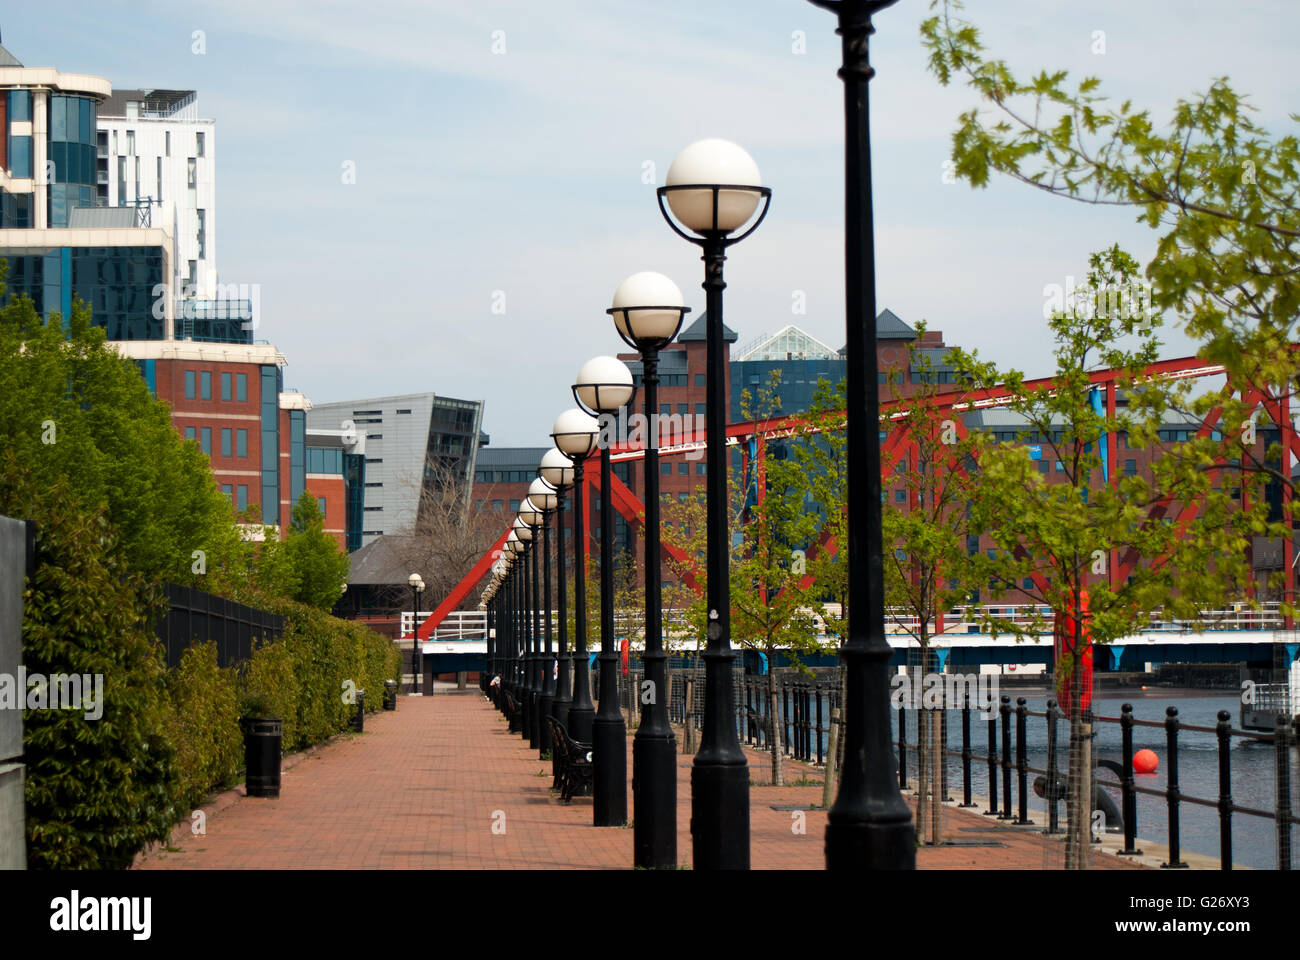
[71,407]
[1224,195]
[769,601]
[1058,538]
[320,566]
[929,569]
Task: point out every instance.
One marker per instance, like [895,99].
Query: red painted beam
[463,588]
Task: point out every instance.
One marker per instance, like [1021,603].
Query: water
[1254,842]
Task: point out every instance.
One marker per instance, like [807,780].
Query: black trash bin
[359,721]
[390,694]
[262,738]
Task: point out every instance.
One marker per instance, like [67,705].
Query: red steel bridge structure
[900,445]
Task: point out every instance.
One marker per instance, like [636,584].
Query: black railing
[194,616]
[1283,738]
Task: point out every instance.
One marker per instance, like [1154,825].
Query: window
[137,178]
[900,496]
[205,385]
[1027,583]
[202,234]
[242,503]
[241,387]
[403,411]
[225,386]
[498,505]
[320,501]
[1130,468]
[374,436]
[666,469]
[241,443]
[699,469]
[167,142]
[226,448]
[699,409]
[192,174]
[205,440]
[374,509]
[198,143]
[683,497]
[130,143]
[665,409]
[190,433]
[1060,467]
[158,190]
[514,506]
[189,384]
[121,181]
[194,272]
[683,408]
[229,491]
[683,469]
[1042,466]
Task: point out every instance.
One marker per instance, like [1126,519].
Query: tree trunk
[774,724]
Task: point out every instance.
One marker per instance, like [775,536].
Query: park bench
[513,713]
[573,762]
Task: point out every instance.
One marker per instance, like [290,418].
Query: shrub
[204,725]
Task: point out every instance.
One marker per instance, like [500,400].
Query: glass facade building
[117,282]
[71,155]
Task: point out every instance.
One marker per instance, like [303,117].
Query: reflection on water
[1253,768]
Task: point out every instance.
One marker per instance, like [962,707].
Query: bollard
[1022,762]
[902,748]
[1053,814]
[1223,730]
[965,752]
[1005,710]
[359,721]
[993,766]
[1129,794]
[1282,751]
[1171,787]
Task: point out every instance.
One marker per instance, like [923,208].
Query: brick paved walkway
[422,788]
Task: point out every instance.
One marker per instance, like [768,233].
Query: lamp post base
[720,816]
[609,772]
[654,801]
[882,845]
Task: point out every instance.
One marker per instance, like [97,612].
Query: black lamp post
[604,386]
[529,557]
[713,188]
[536,509]
[557,470]
[514,650]
[575,433]
[648,313]
[417,588]
[869,827]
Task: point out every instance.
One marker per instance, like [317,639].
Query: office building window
[242,502]
[194,273]
[701,380]
[190,433]
[699,409]
[229,491]
[205,385]
[666,469]
[241,387]
[167,142]
[241,443]
[198,143]
[189,384]
[1130,468]
[158,193]
[665,409]
[1060,467]
[121,181]
[900,496]
[683,469]
[226,448]
[498,505]
[205,440]
[699,469]
[683,408]
[137,178]
[130,143]
[514,506]
[191,174]
[202,234]
[320,501]
[225,386]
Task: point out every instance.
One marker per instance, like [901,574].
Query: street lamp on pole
[524,531]
[648,312]
[516,548]
[575,434]
[557,470]
[604,386]
[713,189]
[869,827]
[542,498]
[417,588]
[533,515]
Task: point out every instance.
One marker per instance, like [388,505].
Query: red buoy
[1145,761]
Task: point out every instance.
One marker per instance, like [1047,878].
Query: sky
[503,156]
